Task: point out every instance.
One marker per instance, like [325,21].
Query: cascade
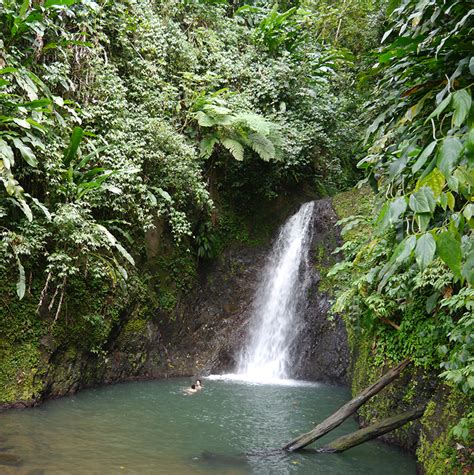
[276,321]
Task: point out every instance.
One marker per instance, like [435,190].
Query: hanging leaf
[234,147]
[468,211]
[425,250]
[462,105]
[468,268]
[448,249]
[400,255]
[26,209]
[26,152]
[423,201]
[451,200]
[164,194]
[448,155]
[207,145]
[21,284]
[403,250]
[440,108]
[434,180]
[424,156]
[111,238]
[6,154]
[423,221]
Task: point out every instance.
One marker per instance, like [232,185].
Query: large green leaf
[448,249]
[74,143]
[468,268]
[448,155]
[400,255]
[425,250]
[6,154]
[207,145]
[390,213]
[26,152]
[423,201]
[58,3]
[424,156]
[435,181]
[204,120]
[462,105]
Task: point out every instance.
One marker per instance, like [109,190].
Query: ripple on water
[153,428]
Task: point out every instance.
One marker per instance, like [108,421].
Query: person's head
[198,382]
[193,386]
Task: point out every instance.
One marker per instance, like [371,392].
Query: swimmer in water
[191,390]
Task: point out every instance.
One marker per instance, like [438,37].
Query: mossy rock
[19,371]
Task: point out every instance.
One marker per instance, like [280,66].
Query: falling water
[275,321]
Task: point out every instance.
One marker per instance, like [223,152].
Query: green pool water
[153,428]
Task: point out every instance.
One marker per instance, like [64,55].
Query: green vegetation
[405,285]
[180,121]
[140,139]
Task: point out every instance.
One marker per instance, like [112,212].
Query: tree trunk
[379,428]
[347,410]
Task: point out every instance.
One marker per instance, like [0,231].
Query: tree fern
[262,146]
[234,130]
[255,122]
[234,147]
[207,145]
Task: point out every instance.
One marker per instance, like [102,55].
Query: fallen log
[347,410]
[371,432]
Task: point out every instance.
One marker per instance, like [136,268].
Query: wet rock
[10,459]
[323,352]
[6,448]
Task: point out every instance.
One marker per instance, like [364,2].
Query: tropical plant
[277,30]
[416,265]
[232,130]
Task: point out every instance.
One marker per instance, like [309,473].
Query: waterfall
[275,321]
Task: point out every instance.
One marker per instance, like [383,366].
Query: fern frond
[207,145]
[255,122]
[234,147]
[262,146]
[214,110]
[204,120]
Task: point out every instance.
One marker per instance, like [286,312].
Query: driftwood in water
[347,410]
[371,432]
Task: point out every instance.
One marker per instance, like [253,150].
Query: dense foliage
[136,135]
[116,113]
[412,269]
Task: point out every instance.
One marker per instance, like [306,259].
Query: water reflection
[152,428]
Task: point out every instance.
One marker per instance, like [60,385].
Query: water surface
[153,428]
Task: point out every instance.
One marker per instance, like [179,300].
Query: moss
[135,325]
[438,452]
[19,378]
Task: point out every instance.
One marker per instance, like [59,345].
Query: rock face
[221,307]
[324,353]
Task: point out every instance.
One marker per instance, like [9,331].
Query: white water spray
[275,321]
